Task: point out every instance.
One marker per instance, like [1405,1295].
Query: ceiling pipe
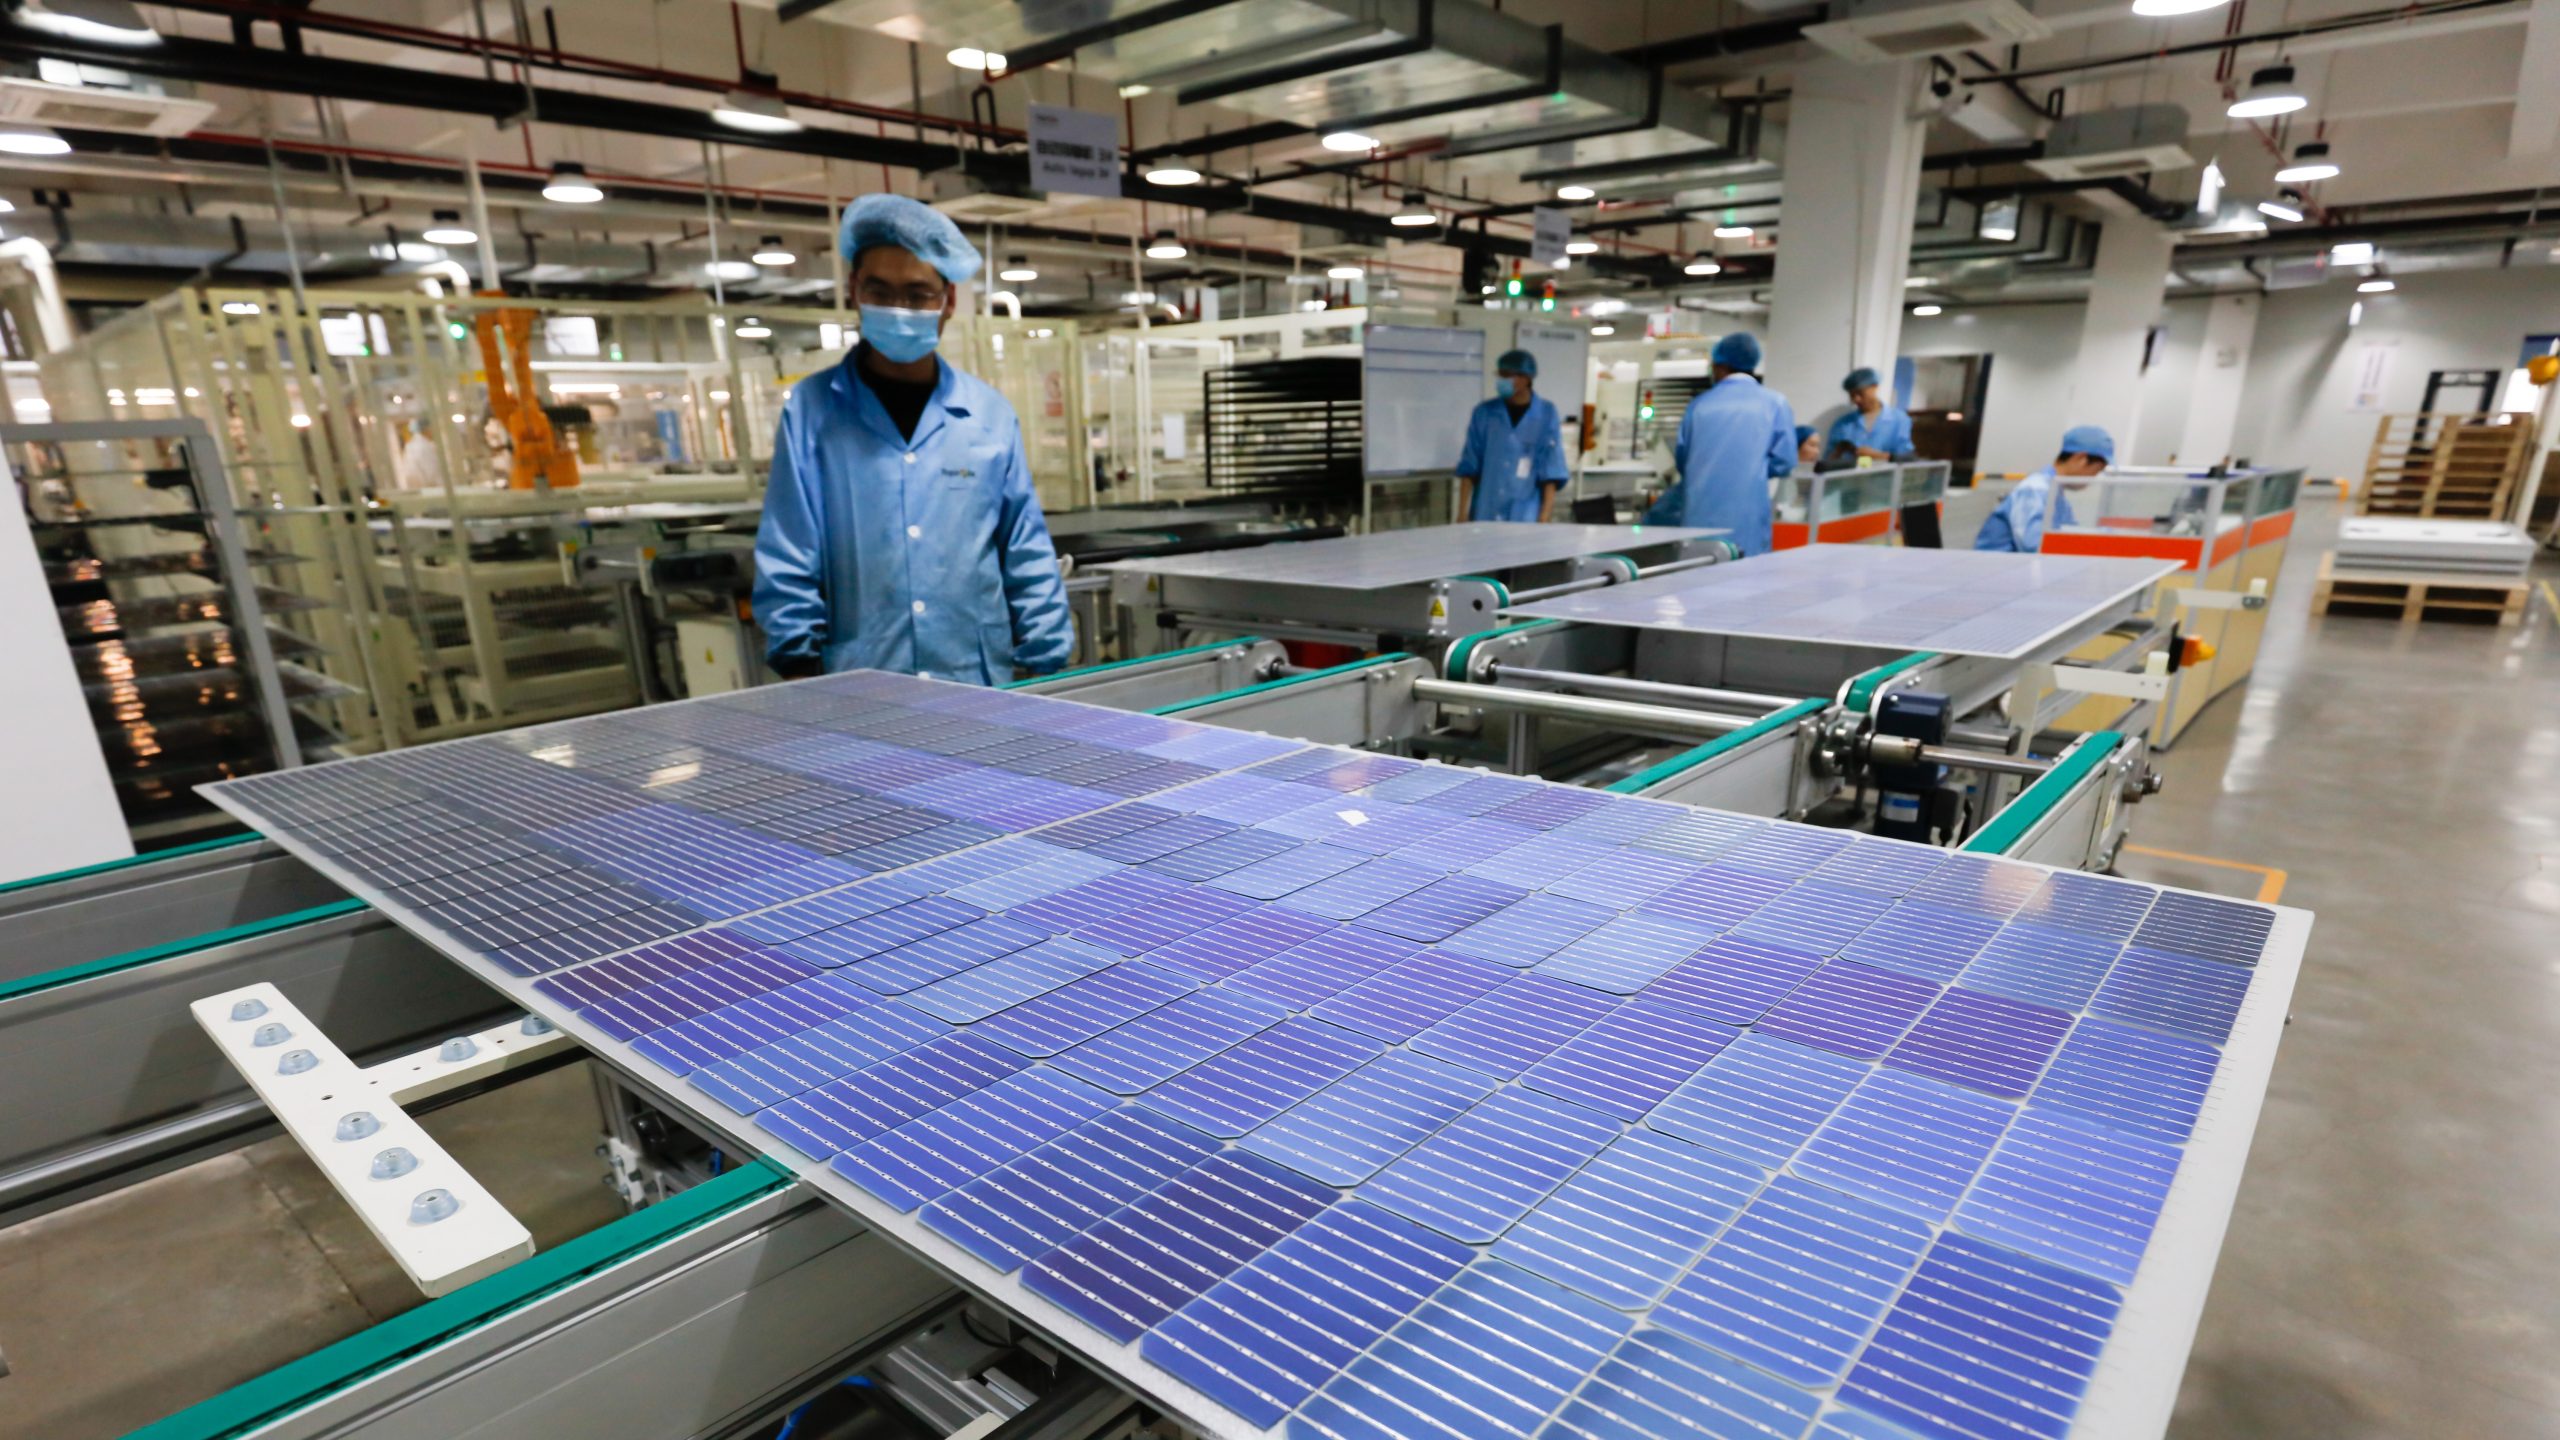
[2410,15]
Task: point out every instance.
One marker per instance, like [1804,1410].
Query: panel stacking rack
[1317,1093]
[1285,426]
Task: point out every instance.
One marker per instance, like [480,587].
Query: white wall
[2033,349]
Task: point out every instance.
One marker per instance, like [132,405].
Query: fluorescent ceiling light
[239,307]
[752,328]
[2310,162]
[1346,272]
[7,205]
[418,252]
[2271,92]
[1582,247]
[2176,7]
[730,270]
[1603,331]
[31,140]
[969,57]
[1999,221]
[569,185]
[447,229]
[1017,271]
[1349,142]
[1576,192]
[771,251]
[2353,252]
[754,111]
[1414,211]
[1914,282]
[1132,92]
[1733,232]
[1925,311]
[1701,263]
[2376,286]
[2278,210]
[103,22]
[1173,175]
[1137,297]
[1166,246]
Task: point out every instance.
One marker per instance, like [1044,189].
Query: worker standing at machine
[2019,521]
[1513,463]
[1734,439]
[1872,430]
[901,530]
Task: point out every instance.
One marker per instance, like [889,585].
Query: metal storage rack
[162,605]
[1284,425]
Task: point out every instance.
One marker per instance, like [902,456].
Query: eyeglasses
[900,297]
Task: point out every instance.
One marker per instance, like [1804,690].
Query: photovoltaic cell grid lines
[1361,1097]
[1956,602]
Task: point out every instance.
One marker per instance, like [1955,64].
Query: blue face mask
[901,336]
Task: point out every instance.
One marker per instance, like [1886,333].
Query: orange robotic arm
[538,451]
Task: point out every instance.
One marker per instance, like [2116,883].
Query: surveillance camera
[1942,87]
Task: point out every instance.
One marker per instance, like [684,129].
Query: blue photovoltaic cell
[2089,905]
[797,1064]
[1038,1202]
[1229,852]
[1629,879]
[1149,1258]
[1477,1176]
[936,957]
[1351,1129]
[1633,1058]
[1314,972]
[2048,967]
[1516,1026]
[1974,882]
[2132,1079]
[1223,949]
[1816,917]
[2207,926]
[1905,1141]
[1148,842]
[1026,883]
[1266,1337]
[1076,1012]
[1530,931]
[1852,1425]
[1412,995]
[1007,982]
[1414,785]
[1664,1386]
[871,935]
[1623,821]
[937,1151]
[1720,896]
[1442,908]
[1471,841]
[1760,1099]
[1288,872]
[2073,1192]
[1891,867]
[1493,1354]
[1627,954]
[1261,1077]
[1985,1345]
[1788,850]
[1169,1040]
[1095,901]
[1357,891]
[735,1029]
[1983,1042]
[841,1114]
[1930,941]
[821,912]
[1244,799]
[1480,794]
[1735,981]
[1541,860]
[1628,1225]
[1797,1281]
[2195,998]
[1701,834]
[1152,926]
[1851,1008]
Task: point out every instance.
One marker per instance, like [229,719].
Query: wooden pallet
[2448,465]
[2418,596]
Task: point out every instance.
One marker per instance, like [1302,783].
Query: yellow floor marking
[2270,880]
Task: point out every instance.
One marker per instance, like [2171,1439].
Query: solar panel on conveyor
[1336,1095]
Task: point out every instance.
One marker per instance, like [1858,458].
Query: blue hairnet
[1803,433]
[1517,362]
[2089,440]
[1860,378]
[912,226]
[1738,352]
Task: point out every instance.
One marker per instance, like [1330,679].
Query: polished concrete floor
[2392,1271]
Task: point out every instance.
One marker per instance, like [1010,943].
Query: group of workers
[901,530]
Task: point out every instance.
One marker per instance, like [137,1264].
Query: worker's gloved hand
[797,667]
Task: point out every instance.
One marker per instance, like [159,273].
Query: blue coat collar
[948,401]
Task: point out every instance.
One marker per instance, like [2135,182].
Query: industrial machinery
[537,457]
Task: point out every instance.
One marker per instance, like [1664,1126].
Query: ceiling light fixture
[1603,331]
[1173,175]
[418,252]
[1702,263]
[2176,7]
[752,328]
[970,57]
[1925,311]
[1017,271]
[730,270]
[1349,142]
[239,307]
[1582,247]
[1414,211]
[1166,246]
[569,185]
[771,251]
[2352,252]
[1137,297]
[1999,221]
[2279,210]
[446,228]
[31,140]
[1346,272]
[755,107]
[2310,162]
[103,22]
[1576,192]
[2271,92]
[2376,286]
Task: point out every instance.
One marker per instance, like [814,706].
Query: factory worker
[901,531]
[1872,430]
[1808,445]
[1513,463]
[1734,439]
[2018,522]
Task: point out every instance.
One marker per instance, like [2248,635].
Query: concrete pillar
[2222,360]
[1844,227]
[2125,289]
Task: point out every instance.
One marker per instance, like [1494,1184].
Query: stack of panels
[1335,1095]
[2406,542]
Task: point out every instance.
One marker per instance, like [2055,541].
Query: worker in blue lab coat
[1872,430]
[901,531]
[1513,463]
[2019,521]
[1736,437]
